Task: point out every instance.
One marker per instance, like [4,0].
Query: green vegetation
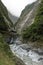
[4,15]
[35,31]
[6,56]
[3,25]
[5,53]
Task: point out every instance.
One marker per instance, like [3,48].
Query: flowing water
[26,54]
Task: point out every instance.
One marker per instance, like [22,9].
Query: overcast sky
[16,6]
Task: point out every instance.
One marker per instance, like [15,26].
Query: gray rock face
[27,19]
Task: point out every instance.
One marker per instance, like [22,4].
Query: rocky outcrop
[27,17]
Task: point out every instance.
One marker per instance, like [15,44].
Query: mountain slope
[13,18]
[35,31]
[5,23]
[4,18]
[5,53]
[27,16]
[6,56]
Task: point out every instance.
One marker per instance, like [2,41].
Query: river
[28,55]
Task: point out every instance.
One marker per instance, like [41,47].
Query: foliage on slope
[5,21]
[5,53]
[3,25]
[35,31]
[6,56]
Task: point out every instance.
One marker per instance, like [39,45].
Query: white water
[28,57]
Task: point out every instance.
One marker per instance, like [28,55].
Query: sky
[16,6]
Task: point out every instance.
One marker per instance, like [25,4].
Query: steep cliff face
[5,21]
[35,31]
[27,16]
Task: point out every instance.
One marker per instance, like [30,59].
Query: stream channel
[28,55]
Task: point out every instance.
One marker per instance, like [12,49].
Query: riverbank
[6,55]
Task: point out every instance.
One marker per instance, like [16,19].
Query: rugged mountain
[31,25]
[13,18]
[27,16]
[35,31]
[6,56]
[5,22]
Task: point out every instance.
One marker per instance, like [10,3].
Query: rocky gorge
[24,53]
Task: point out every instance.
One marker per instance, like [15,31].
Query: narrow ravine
[28,55]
